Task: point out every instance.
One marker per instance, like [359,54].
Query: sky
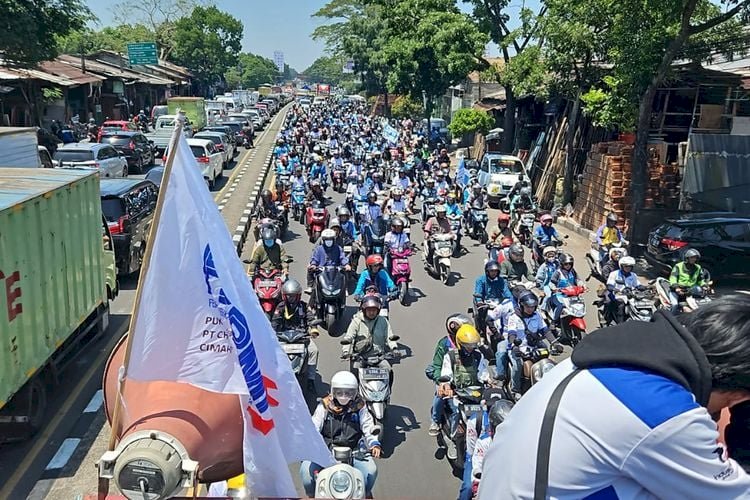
[270,25]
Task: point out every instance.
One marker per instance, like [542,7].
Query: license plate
[472,408]
[293,348]
[376,374]
[266,283]
[348,249]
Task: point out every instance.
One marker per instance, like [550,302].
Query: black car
[128,205]
[224,129]
[236,130]
[722,238]
[136,148]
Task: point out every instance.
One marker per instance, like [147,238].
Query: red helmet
[374,260]
[506,241]
[503,217]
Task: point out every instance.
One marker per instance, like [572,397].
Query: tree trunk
[386,109]
[509,125]
[570,151]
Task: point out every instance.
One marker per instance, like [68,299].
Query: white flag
[200,323]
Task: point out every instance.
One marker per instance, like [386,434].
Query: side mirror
[394,338]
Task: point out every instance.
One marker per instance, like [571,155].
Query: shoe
[434,429]
[451,452]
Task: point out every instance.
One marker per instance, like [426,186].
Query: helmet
[315,184]
[566,258]
[266,194]
[430,181]
[328,234]
[546,218]
[343,211]
[528,299]
[627,261]
[440,209]
[612,218]
[454,322]
[467,336]
[360,179]
[268,233]
[397,221]
[549,249]
[370,302]
[376,175]
[477,188]
[691,252]
[503,217]
[291,289]
[506,241]
[518,290]
[373,260]
[516,249]
[697,291]
[498,413]
[372,197]
[397,192]
[617,251]
[491,266]
[344,387]
[526,191]
[91,120]
[335,223]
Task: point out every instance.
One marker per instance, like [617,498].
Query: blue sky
[270,25]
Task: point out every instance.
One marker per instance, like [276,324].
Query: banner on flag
[462,174]
[389,133]
[200,323]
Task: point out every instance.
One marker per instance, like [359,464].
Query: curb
[572,225]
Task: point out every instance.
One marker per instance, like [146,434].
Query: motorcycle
[298,204]
[455,221]
[267,285]
[536,363]
[572,323]
[639,305]
[440,266]
[373,236]
[469,402]
[525,227]
[316,220]
[295,344]
[329,296]
[537,259]
[477,223]
[428,209]
[400,270]
[595,258]
[337,179]
[694,297]
[341,480]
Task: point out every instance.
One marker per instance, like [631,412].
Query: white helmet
[344,387]
[549,249]
[328,234]
[627,261]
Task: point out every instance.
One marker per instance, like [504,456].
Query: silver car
[102,157]
[222,143]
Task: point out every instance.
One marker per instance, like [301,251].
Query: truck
[244,97]
[20,148]
[163,128]
[58,276]
[193,107]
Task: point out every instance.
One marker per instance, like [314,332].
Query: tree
[208,43]
[328,69]
[406,107]
[114,38]
[159,16]
[521,53]
[28,30]
[251,71]
[470,121]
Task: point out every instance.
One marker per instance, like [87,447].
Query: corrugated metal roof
[21,184]
[34,74]
[72,73]
[109,70]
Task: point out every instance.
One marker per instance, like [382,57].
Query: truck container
[19,147]
[193,107]
[54,262]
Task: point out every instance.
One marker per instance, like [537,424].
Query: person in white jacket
[634,419]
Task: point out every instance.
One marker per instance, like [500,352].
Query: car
[44,157]
[128,206]
[498,173]
[116,126]
[236,128]
[156,175]
[224,129]
[209,159]
[263,108]
[158,111]
[102,157]
[722,238]
[134,146]
[272,105]
[256,117]
[222,143]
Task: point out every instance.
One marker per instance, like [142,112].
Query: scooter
[536,363]
[400,270]
[337,178]
[639,305]
[694,297]
[596,256]
[572,323]
[267,285]
[440,266]
[525,227]
[316,220]
[468,400]
[428,209]
[341,480]
[330,295]
[373,236]
[295,344]
[298,204]
[477,223]
[455,221]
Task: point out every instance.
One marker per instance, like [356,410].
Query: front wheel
[403,292]
[330,321]
[483,237]
[314,235]
[445,273]
[575,334]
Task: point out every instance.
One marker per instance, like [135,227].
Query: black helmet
[516,249]
[518,291]
[291,290]
[266,194]
[566,258]
[528,299]
[372,197]
[498,413]
[268,233]
[456,321]
[343,211]
[612,218]
[371,301]
[691,252]
[491,266]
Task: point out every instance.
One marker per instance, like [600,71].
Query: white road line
[221,207]
[237,238]
[64,452]
[95,403]
[239,229]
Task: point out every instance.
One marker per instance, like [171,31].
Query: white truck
[20,148]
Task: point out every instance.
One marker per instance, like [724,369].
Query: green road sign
[143,53]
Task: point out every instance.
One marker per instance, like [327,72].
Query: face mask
[343,400]
[268,243]
[328,243]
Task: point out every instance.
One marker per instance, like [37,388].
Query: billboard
[278,60]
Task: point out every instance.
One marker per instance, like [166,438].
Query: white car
[101,157]
[209,159]
[221,142]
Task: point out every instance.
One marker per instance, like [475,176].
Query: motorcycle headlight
[578,309]
[340,483]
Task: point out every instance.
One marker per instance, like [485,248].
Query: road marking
[234,173]
[95,403]
[64,452]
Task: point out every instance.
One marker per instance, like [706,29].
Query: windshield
[116,140]
[73,156]
[112,209]
[505,166]
[165,122]
[212,138]
[198,151]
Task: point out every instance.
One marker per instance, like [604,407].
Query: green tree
[406,107]
[28,30]
[470,121]
[208,43]
[251,71]
[522,72]
[325,69]
[114,38]
[158,16]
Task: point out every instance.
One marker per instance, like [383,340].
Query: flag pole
[103,485]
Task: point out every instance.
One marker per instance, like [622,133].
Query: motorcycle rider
[370,333]
[496,415]
[454,212]
[524,328]
[521,201]
[342,418]
[92,130]
[439,224]
[502,230]
[613,264]
[401,181]
[143,120]
[547,269]
[563,277]
[315,193]
[429,190]
[373,208]
[375,276]
[617,281]
[544,234]
[684,276]
[396,238]
[248,133]
[318,172]
[515,268]
[489,287]
[396,204]
[270,255]
[520,184]
[280,149]
[293,313]
[327,253]
[609,234]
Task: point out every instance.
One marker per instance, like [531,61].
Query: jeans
[367,467]
[555,302]
[312,359]
[465,492]
[503,356]
[438,404]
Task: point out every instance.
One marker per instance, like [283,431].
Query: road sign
[143,53]
[278,59]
